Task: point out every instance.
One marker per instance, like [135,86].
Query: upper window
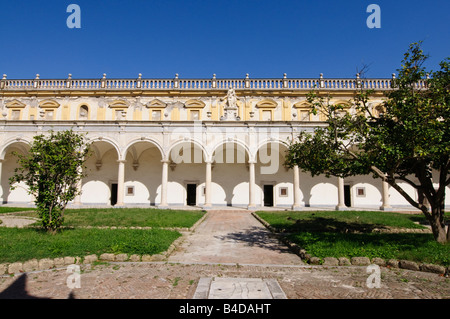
[156,115]
[84,112]
[194,115]
[15,114]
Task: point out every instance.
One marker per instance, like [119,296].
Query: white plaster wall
[95,192]
[145,179]
[284,200]
[318,190]
[373,191]
[176,193]
[272,172]
[372,197]
[218,194]
[323,194]
[230,184]
[398,200]
[447,196]
[20,193]
[96,188]
[183,174]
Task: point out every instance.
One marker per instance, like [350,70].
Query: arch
[270,158]
[9,164]
[18,140]
[144,140]
[106,140]
[230,163]
[96,186]
[272,140]
[205,155]
[237,142]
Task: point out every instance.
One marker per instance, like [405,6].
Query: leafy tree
[52,169]
[406,139]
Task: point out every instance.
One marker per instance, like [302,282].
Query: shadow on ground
[255,236]
[18,290]
[328,225]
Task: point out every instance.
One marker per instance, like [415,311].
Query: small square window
[15,115]
[361,191]
[130,190]
[195,115]
[304,115]
[283,191]
[156,115]
[267,115]
[49,115]
[120,114]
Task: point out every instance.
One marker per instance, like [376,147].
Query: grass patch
[21,244]
[340,221]
[130,217]
[6,210]
[349,234]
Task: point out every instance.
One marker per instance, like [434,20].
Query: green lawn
[339,221]
[6,209]
[129,217]
[21,244]
[28,243]
[350,234]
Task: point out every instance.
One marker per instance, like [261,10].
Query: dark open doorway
[347,196]
[191,199]
[268,195]
[113,194]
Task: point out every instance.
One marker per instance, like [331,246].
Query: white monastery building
[177,142]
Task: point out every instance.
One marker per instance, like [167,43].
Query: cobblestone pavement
[233,237]
[226,244]
[164,280]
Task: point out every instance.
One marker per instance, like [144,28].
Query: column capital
[121,161]
[165,161]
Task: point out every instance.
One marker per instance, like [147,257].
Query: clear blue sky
[197,38]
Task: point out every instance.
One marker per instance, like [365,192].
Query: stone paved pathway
[227,236]
[160,280]
[228,244]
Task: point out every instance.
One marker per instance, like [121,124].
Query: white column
[1,188]
[77,199]
[121,183]
[208,185]
[251,186]
[164,181]
[341,200]
[385,196]
[297,205]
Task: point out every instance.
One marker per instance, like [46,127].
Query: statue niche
[230,111]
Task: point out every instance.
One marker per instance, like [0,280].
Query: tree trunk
[448,234]
[438,224]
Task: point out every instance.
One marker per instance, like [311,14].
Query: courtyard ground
[226,244]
